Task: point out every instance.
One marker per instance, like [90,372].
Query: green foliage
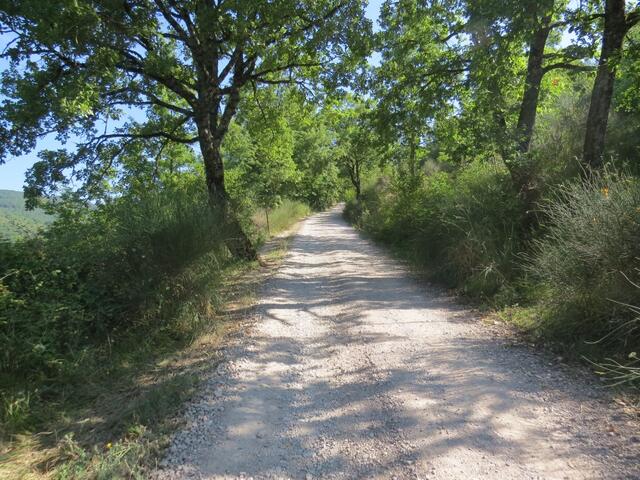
[322,190]
[78,68]
[559,135]
[261,151]
[589,258]
[282,217]
[282,147]
[99,271]
[462,225]
[359,148]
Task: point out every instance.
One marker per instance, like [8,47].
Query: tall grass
[588,260]
[280,218]
[97,272]
[463,226]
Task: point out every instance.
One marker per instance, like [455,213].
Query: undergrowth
[103,341]
[572,281]
[280,218]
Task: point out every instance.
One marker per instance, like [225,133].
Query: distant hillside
[15,220]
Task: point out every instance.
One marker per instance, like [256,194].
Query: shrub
[589,258]
[464,226]
[100,271]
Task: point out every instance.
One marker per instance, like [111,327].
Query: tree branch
[161,134]
[181,33]
[568,66]
[172,83]
[256,76]
[633,18]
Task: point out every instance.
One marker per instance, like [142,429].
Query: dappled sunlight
[354,370]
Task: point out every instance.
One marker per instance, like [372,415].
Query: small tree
[269,172]
[617,22]
[358,145]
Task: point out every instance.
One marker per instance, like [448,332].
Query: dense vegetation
[499,179]
[493,144]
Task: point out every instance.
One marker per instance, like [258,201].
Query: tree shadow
[356,371]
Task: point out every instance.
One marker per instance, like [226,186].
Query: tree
[267,172]
[617,23]
[78,67]
[421,71]
[314,152]
[358,146]
[537,23]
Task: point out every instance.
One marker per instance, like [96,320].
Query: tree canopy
[78,67]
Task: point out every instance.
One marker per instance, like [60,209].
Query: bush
[589,258]
[100,271]
[463,226]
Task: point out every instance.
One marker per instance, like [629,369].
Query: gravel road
[352,369]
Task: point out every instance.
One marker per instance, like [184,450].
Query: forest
[493,146]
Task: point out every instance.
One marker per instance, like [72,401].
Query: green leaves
[79,68]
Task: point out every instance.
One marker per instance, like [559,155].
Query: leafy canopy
[120,76]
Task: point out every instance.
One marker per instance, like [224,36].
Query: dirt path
[354,370]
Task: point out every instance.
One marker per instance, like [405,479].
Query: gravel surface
[352,369]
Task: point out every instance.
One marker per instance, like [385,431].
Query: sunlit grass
[281,217]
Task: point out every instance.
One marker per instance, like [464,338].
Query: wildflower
[605,191]
[109,445]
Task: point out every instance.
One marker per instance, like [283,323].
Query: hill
[15,220]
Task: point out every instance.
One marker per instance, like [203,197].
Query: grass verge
[280,218]
[112,415]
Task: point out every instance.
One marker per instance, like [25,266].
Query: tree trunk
[354,175]
[357,182]
[535,72]
[520,171]
[236,239]
[615,28]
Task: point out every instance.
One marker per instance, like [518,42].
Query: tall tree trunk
[615,28]
[236,239]
[521,173]
[358,182]
[535,72]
